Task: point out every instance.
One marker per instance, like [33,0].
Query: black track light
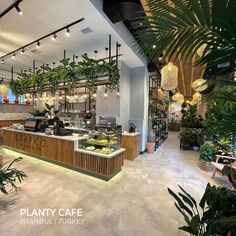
[2,61]
[38,45]
[67,32]
[53,37]
[13,56]
[18,10]
[22,51]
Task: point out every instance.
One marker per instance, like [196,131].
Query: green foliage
[48,109]
[68,74]
[191,137]
[180,28]
[36,112]
[190,118]
[207,152]
[9,175]
[218,207]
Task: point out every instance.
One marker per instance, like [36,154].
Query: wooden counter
[131,143]
[63,150]
[48,148]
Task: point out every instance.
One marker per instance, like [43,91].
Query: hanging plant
[38,80]
[15,87]
[24,81]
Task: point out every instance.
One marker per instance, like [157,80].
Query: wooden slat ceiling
[187,71]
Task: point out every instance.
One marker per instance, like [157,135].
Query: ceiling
[43,17]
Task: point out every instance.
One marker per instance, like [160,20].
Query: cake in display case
[105,139]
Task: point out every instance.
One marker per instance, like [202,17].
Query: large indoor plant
[9,176]
[214,215]
[207,155]
[151,142]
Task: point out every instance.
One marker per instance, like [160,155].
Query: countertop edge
[115,153]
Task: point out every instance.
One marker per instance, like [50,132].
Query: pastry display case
[105,139]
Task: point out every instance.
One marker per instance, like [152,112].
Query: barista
[57,116]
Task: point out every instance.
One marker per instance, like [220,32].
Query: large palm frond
[181,27]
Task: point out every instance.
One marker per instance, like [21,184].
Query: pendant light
[3,91]
[197,97]
[169,77]
[178,97]
[199,85]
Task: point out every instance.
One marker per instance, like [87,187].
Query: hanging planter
[169,77]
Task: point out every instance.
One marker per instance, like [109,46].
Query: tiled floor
[135,202]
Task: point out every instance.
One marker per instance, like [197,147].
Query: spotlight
[13,56]
[53,37]
[18,10]
[38,45]
[153,46]
[67,32]
[105,94]
[22,51]
[2,61]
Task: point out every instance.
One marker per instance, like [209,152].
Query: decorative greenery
[207,152]
[9,175]
[218,207]
[190,118]
[180,28]
[67,75]
[191,137]
[48,109]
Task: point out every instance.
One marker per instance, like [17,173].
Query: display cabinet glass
[105,139]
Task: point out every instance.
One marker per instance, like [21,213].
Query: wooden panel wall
[44,147]
[4,123]
[99,165]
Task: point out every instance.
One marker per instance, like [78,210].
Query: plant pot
[150,147]
[16,101]
[195,148]
[6,100]
[206,166]
[186,147]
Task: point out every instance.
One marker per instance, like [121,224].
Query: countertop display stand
[157,110]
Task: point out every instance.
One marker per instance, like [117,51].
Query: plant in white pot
[151,142]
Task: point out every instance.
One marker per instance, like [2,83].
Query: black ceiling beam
[40,39]
[13,5]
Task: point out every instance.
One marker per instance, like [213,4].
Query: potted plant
[186,138]
[197,139]
[207,155]
[16,101]
[6,100]
[151,142]
[214,215]
[9,175]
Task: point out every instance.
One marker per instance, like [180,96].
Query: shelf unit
[158,115]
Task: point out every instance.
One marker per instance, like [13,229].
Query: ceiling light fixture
[38,45]
[37,41]
[22,51]
[13,56]
[18,10]
[67,32]
[53,37]
[2,61]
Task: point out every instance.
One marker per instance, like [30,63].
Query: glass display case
[105,139]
